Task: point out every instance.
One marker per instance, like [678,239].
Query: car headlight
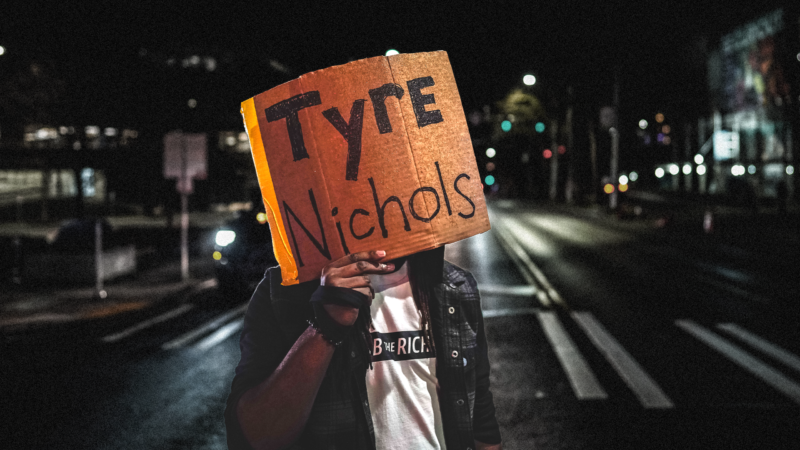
[225,237]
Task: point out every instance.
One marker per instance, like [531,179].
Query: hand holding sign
[371,154]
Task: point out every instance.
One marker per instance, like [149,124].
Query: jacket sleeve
[263,346]
[484,423]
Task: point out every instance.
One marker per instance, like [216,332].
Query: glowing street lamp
[529,80]
[391,52]
[2,50]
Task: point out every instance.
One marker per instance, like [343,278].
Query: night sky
[97,49]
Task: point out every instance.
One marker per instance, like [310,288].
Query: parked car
[243,252]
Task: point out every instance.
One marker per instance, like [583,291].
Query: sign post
[185,160]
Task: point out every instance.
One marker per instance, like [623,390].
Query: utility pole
[554,162]
[612,198]
[568,190]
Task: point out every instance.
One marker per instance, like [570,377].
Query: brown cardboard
[415,159]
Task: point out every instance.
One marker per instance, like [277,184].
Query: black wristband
[333,331]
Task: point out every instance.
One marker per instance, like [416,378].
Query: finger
[363,268]
[360,281]
[375,255]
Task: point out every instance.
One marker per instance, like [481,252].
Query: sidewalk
[23,308]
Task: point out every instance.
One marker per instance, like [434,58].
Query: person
[386,355]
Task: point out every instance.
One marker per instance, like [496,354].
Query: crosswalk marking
[647,391]
[583,381]
[219,335]
[516,229]
[743,359]
[212,324]
[761,344]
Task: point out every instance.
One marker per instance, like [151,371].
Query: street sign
[185,150]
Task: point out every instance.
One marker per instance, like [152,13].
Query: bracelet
[319,330]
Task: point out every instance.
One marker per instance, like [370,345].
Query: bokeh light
[623,187]
[687,169]
[506,126]
[643,124]
[489,180]
[659,173]
[698,159]
[529,80]
[490,152]
[659,117]
[623,179]
[391,52]
[701,170]
[539,127]
[634,176]
[547,153]
[608,188]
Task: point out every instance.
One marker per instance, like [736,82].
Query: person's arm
[484,423]
[273,413]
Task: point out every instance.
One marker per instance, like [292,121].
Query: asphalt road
[602,335]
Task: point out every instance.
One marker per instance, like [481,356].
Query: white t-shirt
[402,385]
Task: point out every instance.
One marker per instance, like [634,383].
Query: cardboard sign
[370,155]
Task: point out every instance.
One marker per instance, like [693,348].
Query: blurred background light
[751,169]
[659,173]
[225,237]
[92,131]
[217,256]
[489,166]
[192,103]
[633,176]
[659,117]
[666,140]
[623,187]
[701,170]
[562,149]
[490,152]
[660,137]
[737,170]
[391,52]
[674,169]
[506,126]
[698,159]
[2,50]
[489,180]
[623,179]
[666,129]
[789,170]
[643,124]
[539,127]
[608,188]
[687,169]
[529,80]
[547,153]
[261,218]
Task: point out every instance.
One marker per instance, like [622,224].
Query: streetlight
[391,52]
[529,80]
[2,50]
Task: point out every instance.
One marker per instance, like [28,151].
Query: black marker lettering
[419,100]
[381,209]
[353,232]
[444,191]
[323,249]
[455,186]
[414,212]
[287,109]
[341,238]
[351,133]
[378,96]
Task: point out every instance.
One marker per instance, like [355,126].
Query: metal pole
[98,259]
[554,162]
[593,151]
[612,198]
[184,214]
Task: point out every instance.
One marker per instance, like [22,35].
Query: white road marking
[761,344]
[219,335]
[647,391]
[521,260]
[523,257]
[212,324]
[583,381]
[514,291]
[506,312]
[743,359]
[148,323]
